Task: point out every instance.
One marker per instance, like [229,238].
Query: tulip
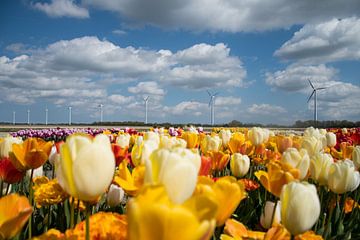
[152,136]
[6,145]
[123,140]
[300,207]
[343,177]
[319,167]
[277,176]
[86,167]
[153,216]
[283,143]
[268,216]
[210,143]
[237,230]
[177,169]
[171,142]
[205,168]
[239,165]
[30,154]
[356,156]
[219,160]
[236,141]
[115,195]
[330,139]
[225,136]
[191,138]
[312,145]
[258,135]
[297,159]
[142,150]
[15,211]
[130,182]
[8,172]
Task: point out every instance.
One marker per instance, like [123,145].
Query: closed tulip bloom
[8,172]
[239,164]
[210,143]
[236,141]
[6,145]
[191,138]
[256,135]
[86,167]
[356,156]
[266,218]
[152,136]
[123,140]
[177,169]
[283,143]
[343,177]
[225,136]
[330,139]
[300,207]
[115,195]
[312,145]
[142,150]
[320,166]
[297,159]
[171,142]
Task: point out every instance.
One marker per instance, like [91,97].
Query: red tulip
[8,173]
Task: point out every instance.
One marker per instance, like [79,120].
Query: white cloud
[119,32]
[333,40]
[227,101]
[186,107]
[227,15]
[120,99]
[265,109]
[147,88]
[62,8]
[295,77]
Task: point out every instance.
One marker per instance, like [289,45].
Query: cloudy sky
[258,55]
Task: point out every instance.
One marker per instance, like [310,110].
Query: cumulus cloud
[265,109]
[295,77]
[187,107]
[119,32]
[147,88]
[62,8]
[334,40]
[231,16]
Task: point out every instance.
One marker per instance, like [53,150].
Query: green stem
[7,189]
[72,208]
[31,202]
[273,213]
[87,221]
[1,188]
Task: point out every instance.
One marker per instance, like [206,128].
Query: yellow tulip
[300,207]
[236,141]
[153,216]
[30,154]
[277,176]
[191,138]
[14,212]
[130,182]
[86,167]
[142,149]
[219,160]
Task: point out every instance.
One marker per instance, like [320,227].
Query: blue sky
[258,55]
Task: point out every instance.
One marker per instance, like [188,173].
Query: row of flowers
[180,184]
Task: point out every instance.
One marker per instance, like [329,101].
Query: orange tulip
[277,176]
[219,160]
[309,235]
[283,143]
[205,168]
[277,232]
[14,212]
[236,141]
[120,153]
[130,182]
[191,138]
[345,151]
[238,230]
[30,154]
[52,234]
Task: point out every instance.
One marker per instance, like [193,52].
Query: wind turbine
[101,112]
[28,116]
[212,107]
[146,100]
[46,115]
[70,114]
[14,114]
[315,98]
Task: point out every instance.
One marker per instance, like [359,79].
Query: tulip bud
[225,136]
[356,156]
[320,166]
[300,207]
[115,195]
[266,218]
[343,177]
[258,135]
[239,164]
[6,145]
[210,143]
[312,145]
[330,139]
[171,142]
[297,159]
[152,136]
[123,140]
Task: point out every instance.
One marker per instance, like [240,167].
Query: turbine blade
[311,96]
[320,88]
[208,92]
[311,84]
[216,94]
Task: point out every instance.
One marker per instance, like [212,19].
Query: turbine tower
[315,99]
[101,112]
[70,114]
[46,115]
[28,116]
[212,107]
[146,100]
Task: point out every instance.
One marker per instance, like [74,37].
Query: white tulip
[319,167]
[239,164]
[343,177]
[297,159]
[6,145]
[300,207]
[171,142]
[210,143]
[123,140]
[356,156]
[115,195]
[330,139]
[225,136]
[266,218]
[312,145]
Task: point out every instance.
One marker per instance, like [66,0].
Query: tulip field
[183,184]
